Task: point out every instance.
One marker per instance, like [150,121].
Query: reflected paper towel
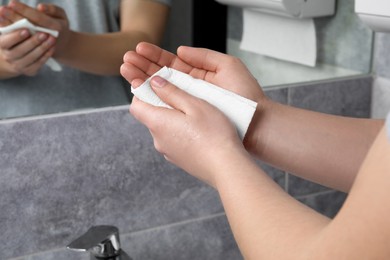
[280,37]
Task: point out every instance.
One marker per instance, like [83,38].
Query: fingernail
[42,36]
[49,41]
[158,82]
[13,5]
[24,33]
[42,7]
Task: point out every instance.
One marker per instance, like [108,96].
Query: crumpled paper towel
[238,109]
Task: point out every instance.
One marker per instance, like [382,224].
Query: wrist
[236,167]
[255,138]
[63,44]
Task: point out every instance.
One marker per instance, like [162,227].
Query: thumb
[171,94]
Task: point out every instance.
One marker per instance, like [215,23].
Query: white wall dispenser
[282,29]
[374,13]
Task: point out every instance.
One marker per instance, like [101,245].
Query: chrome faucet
[102,242]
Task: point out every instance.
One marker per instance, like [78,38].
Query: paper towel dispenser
[291,8]
[374,13]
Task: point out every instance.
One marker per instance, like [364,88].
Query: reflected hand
[217,68]
[23,53]
[194,135]
[49,16]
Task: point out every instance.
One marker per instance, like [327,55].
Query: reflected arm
[103,53]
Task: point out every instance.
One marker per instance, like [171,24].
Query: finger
[31,14]
[3,20]
[207,63]
[205,59]
[172,95]
[151,116]
[52,10]
[9,15]
[26,47]
[35,54]
[161,57]
[136,66]
[33,68]
[12,39]
[129,72]
[42,50]
[136,83]
[142,63]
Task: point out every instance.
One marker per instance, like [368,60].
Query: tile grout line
[315,194]
[188,221]
[175,224]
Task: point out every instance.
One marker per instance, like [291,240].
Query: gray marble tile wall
[381,69]
[61,174]
[342,40]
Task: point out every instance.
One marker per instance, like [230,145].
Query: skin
[267,223]
[24,54]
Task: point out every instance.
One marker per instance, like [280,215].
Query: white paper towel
[285,38]
[238,109]
[24,23]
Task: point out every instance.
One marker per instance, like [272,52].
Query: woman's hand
[220,69]
[22,53]
[49,16]
[194,135]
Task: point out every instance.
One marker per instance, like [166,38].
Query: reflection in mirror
[189,23]
[90,48]
[344,47]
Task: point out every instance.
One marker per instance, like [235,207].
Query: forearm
[323,148]
[267,223]
[100,54]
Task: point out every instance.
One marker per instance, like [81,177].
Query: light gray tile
[277,175]
[343,40]
[380,98]
[327,204]
[62,175]
[382,55]
[59,254]
[277,95]
[235,23]
[350,97]
[207,239]
[300,187]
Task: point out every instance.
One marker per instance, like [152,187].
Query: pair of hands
[195,135]
[23,53]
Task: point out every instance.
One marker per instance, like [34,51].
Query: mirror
[344,47]
[344,50]
[30,96]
